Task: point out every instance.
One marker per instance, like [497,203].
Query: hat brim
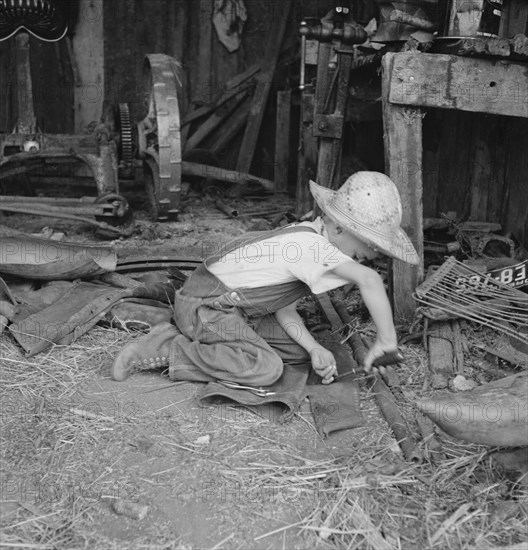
[397,245]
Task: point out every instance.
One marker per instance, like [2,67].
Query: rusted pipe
[226,209]
[384,397]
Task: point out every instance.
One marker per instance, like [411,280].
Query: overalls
[232,333]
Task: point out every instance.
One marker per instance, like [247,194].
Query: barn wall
[476,165]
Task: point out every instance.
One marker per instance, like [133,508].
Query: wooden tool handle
[388,358]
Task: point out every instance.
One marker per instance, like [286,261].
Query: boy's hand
[377,350]
[324,363]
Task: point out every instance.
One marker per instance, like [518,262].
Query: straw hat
[368,206]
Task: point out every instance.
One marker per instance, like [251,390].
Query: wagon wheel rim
[160,131]
[152,187]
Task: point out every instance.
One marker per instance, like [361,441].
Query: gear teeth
[125,127]
[165,78]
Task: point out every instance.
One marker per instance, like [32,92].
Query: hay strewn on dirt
[73,443]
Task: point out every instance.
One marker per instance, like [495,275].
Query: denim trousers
[232,334]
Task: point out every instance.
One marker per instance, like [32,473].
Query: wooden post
[403,164]
[307,158]
[26,121]
[88,48]
[439,339]
[329,123]
[282,141]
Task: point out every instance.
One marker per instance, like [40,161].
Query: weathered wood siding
[476,165]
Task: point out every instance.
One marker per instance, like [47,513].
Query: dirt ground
[74,442]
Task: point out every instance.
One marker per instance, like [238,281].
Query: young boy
[236,318]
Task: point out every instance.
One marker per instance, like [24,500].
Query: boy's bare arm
[373,293]
[323,360]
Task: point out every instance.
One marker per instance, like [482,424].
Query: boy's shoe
[148,352]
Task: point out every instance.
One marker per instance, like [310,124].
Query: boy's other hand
[324,363]
[377,350]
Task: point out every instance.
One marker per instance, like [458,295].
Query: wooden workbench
[411,82]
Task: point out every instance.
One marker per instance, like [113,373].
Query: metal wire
[457,289]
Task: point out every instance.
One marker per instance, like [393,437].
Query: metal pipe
[303,60]
[230,211]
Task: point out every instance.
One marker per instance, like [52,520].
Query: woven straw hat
[368,205]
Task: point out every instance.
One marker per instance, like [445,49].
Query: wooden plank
[230,129]
[177,18]
[282,141]
[6,107]
[203,92]
[176,37]
[514,18]
[513,48]
[264,80]
[467,84]
[231,176]
[232,87]
[307,157]
[403,164]
[454,178]
[480,188]
[514,212]
[214,121]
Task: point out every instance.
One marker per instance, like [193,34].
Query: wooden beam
[451,82]
[221,174]
[403,164]
[282,141]
[264,80]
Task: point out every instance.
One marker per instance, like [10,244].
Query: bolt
[323,126]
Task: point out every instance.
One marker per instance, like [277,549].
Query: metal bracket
[328,126]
